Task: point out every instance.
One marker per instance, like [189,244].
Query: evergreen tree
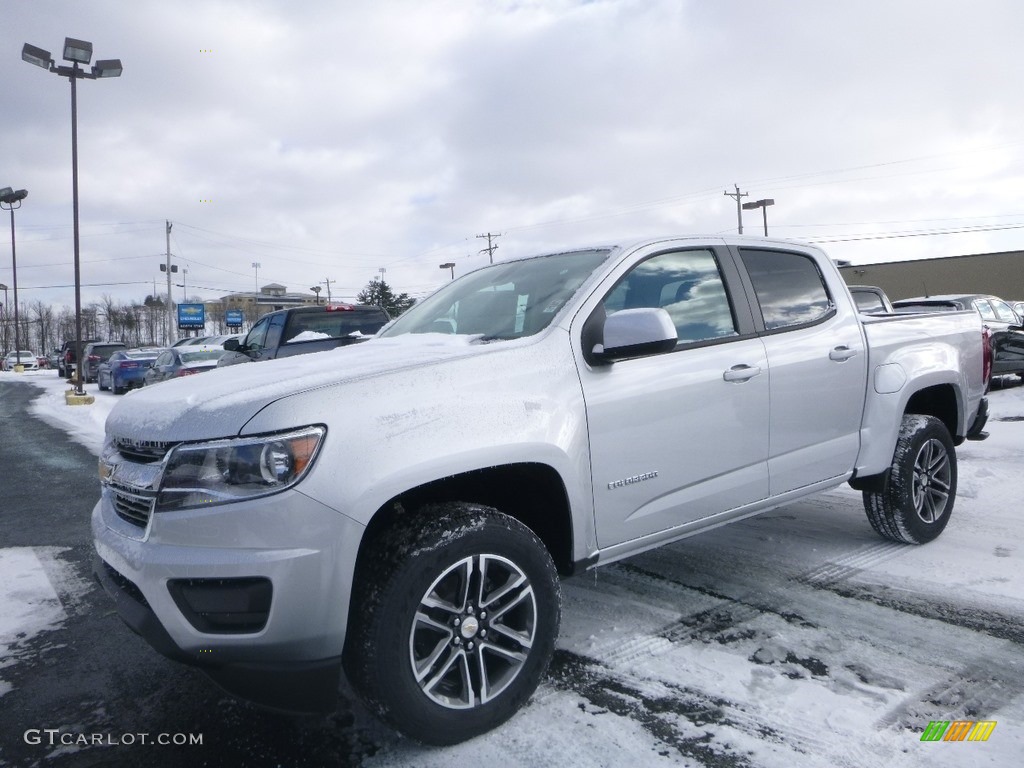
[378,293]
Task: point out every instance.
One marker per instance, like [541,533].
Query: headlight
[222,471]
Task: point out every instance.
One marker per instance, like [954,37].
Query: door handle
[841,353]
[741,372]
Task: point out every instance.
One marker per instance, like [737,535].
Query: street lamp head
[37,56]
[77,50]
[9,196]
[107,68]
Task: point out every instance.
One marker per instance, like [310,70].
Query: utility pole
[490,248]
[170,319]
[327,282]
[382,270]
[739,209]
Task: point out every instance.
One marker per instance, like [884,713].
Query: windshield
[502,301]
[200,355]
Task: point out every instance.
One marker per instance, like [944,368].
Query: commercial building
[999,274]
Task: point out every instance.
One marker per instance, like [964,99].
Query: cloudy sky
[329,140]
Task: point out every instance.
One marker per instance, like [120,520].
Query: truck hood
[220,402]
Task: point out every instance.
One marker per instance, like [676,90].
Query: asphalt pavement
[92,693]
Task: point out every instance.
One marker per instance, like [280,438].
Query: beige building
[271,297]
[998,274]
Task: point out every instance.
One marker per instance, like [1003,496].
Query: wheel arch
[942,402]
[532,493]
[939,400]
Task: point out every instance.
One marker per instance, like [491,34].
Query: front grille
[142,451]
[132,506]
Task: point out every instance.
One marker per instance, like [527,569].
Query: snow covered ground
[797,638]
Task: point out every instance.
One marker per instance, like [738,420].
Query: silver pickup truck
[402,509]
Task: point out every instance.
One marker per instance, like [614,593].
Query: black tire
[99,383]
[114,388]
[917,500]
[432,661]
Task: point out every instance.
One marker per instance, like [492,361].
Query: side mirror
[231,345]
[635,333]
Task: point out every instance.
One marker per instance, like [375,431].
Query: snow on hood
[219,402]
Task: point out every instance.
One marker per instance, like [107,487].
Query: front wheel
[453,623]
[915,503]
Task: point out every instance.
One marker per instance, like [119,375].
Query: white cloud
[329,140]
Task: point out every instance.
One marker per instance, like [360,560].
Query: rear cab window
[789,288]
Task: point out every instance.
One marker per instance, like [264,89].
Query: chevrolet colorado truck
[401,510]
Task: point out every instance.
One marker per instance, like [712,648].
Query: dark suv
[300,330]
[66,357]
[98,352]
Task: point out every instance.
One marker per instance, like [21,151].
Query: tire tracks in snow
[697,723]
[694,722]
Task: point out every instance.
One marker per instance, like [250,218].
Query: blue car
[124,369]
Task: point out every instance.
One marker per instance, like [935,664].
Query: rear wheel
[916,502]
[454,622]
[99,382]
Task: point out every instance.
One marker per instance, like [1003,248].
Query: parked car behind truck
[95,354]
[126,368]
[1007,335]
[68,357]
[871,300]
[402,508]
[302,330]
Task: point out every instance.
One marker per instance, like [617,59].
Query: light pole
[449,265]
[316,289]
[77,52]
[763,205]
[11,201]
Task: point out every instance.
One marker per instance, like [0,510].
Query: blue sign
[233,318]
[191,316]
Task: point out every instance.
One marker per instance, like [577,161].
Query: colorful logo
[958,730]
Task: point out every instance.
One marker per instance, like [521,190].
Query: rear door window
[1003,311]
[789,287]
[985,309]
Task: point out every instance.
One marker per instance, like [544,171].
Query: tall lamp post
[77,52]
[763,205]
[449,265]
[11,201]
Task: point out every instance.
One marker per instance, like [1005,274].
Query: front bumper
[254,593]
